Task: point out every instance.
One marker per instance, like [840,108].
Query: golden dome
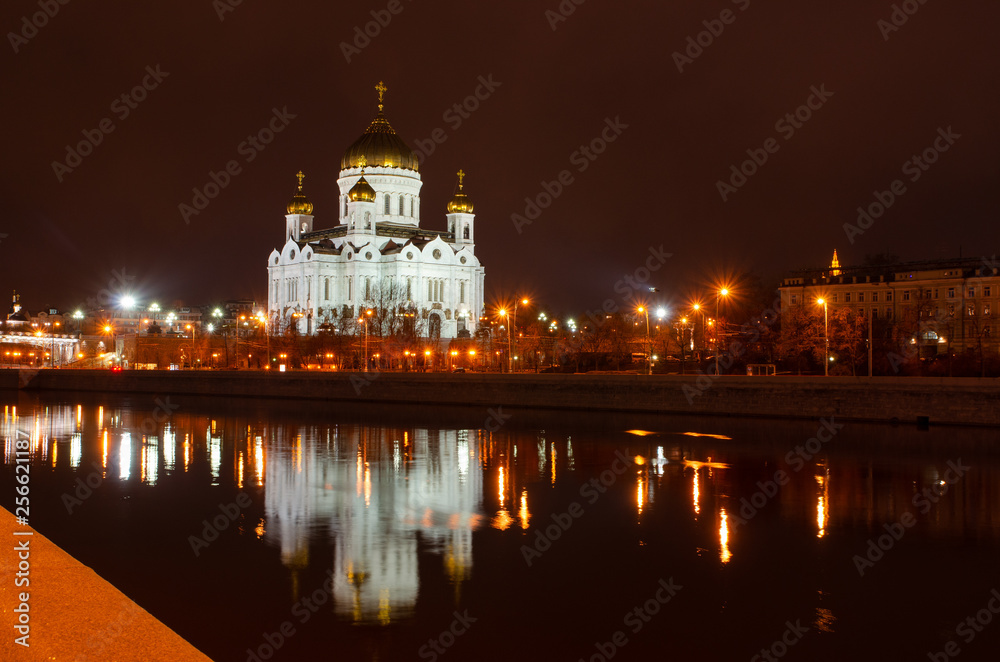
[460,204]
[380,145]
[300,203]
[362,191]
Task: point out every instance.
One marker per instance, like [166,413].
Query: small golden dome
[362,191]
[380,145]
[460,204]
[300,203]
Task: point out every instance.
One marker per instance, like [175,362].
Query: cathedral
[376,263]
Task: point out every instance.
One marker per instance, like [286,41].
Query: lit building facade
[948,303]
[377,255]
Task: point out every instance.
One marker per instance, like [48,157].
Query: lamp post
[503,313]
[513,323]
[649,364]
[826,338]
[718,296]
[364,320]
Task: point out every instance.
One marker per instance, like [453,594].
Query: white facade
[377,255]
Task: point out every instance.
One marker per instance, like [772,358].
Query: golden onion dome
[460,204]
[380,145]
[299,203]
[362,191]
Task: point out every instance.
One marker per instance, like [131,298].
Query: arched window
[465,233]
[345,206]
[386,198]
[411,207]
[402,202]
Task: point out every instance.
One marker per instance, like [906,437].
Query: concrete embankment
[879,399]
[61,610]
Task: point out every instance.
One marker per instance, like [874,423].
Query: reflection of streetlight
[721,293]
[826,338]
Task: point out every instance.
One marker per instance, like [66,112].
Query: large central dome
[380,145]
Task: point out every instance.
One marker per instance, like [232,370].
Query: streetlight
[503,313]
[362,320]
[826,338]
[513,325]
[643,309]
[263,320]
[721,293]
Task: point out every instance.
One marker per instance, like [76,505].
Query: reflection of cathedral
[377,256]
[382,492]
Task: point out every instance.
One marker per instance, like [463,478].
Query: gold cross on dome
[362,162]
[301,177]
[461,178]
[381,89]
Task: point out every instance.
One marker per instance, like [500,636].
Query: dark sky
[656,184]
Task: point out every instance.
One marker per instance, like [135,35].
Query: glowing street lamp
[724,292]
[644,310]
[826,337]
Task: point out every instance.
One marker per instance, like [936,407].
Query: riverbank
[62,610]
[945,401]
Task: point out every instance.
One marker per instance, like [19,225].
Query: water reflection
[381,493]
[391,511]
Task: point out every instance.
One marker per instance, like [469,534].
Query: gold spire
[380,143]
[362,163]
[299,203]
[460,204]
[835,265]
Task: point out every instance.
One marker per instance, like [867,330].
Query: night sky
[558,81]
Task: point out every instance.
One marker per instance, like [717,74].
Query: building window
[350,288]
[874,313]
[847,297]
[795,299]
[986,331]
[888,313]
[833,298]
[368,288]
[465,232]
[935,293]
[874,297]
[906,295]
[951,309]
[986,290]
[409,289]
[888,296]
[951,292]
[411,207]
[861,297]
[986,309]
[972,293]
[971,310]
[326,290]
[461,292]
